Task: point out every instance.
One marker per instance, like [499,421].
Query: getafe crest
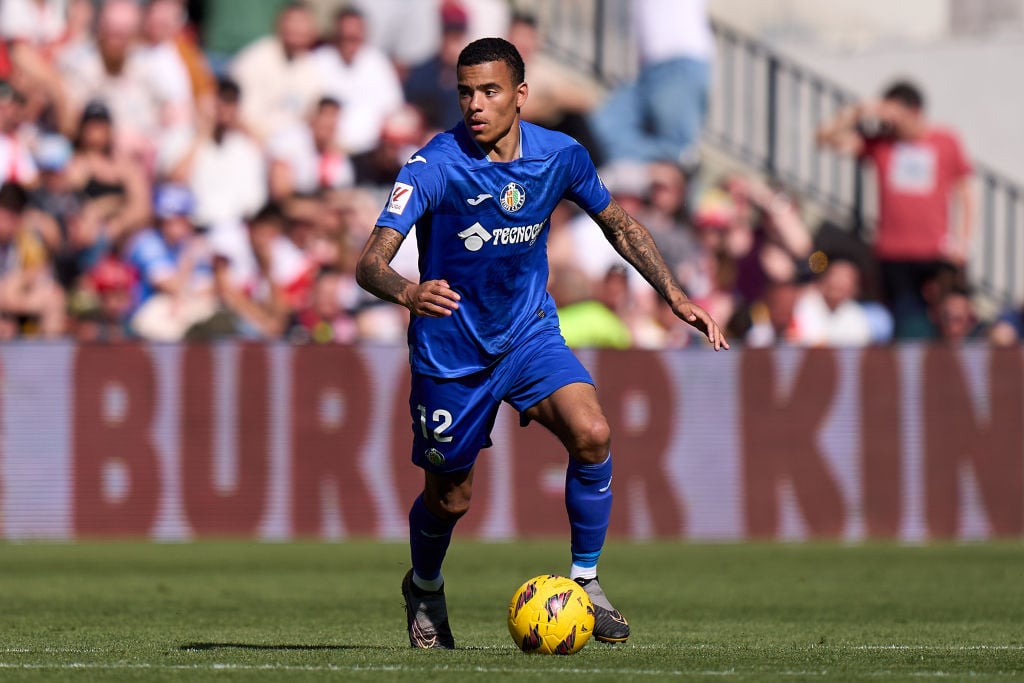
[512,197]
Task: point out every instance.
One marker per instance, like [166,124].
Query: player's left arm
[634,242]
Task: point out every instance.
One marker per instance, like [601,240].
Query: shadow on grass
[200,647]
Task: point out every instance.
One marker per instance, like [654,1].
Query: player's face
[490,101]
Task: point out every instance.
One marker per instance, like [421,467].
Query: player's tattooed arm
[433,298]
[635,244]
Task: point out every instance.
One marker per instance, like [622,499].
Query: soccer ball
[551,615]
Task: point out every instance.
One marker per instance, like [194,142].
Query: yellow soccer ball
[551,615]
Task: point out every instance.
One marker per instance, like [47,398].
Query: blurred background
[197,170]
[842,177]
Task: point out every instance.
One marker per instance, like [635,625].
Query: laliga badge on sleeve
[399,198]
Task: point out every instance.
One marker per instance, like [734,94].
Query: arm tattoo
[374,272]
[634,243]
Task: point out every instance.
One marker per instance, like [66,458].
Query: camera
[875,128]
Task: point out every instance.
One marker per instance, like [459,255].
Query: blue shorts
[452,418]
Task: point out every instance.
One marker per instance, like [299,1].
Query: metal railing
[764,110]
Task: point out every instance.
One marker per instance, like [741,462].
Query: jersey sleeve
[417,191]
[585,187]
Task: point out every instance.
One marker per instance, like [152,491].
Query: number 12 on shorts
[442,420]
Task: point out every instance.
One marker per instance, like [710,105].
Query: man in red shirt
[922,173]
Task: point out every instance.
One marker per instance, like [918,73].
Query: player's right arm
[431,299]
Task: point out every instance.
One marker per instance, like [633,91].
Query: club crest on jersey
[512,197]
[435,457]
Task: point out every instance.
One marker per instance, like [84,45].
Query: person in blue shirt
[484,329]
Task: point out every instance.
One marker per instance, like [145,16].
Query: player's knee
[450,505]
[454,507]
[593,440]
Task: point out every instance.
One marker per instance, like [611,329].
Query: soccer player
[484,329]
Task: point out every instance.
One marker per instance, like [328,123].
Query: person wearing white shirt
[116,70]
[38,22]
[277,74]
[16,162]
[362,78]
[224,167]
[306,157]
[828,314]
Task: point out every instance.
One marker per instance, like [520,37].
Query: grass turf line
[317,611]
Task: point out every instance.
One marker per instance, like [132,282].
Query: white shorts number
[442,420]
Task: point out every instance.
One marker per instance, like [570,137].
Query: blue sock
[588,500]
[429,537]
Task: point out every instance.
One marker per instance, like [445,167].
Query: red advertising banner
[276,442]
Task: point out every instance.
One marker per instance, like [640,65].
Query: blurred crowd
[194,171]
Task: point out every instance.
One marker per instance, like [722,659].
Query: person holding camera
[922,171]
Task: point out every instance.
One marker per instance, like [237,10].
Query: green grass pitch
[322,611]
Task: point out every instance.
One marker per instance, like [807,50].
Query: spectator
[112,185]
[433,85]
[224,167]
[253,273]
[772,318]
[277,74]
[409,32]
[560,98]
[324,320]
[766,236]
[361,78]
[16,162]
[144,101]
[827,313]
[1008,328]
[54,206]
[79,20]
[39,23]
[174,289]
[228,26]
[587,321]
[711,276]
[629,184]
[659,116]
[306,218]
[956,321]
[101,305]
[31,301]
[403,133]
[307,158]
[257,254]
[174,57]
[920,169]
[161,25]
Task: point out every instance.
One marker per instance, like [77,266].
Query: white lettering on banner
[703,460]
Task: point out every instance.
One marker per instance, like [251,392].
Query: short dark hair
[228,89]
[906,93]
[494,50]
[327,101]
[346,11]
[520,17]
[270,213]
[13,197]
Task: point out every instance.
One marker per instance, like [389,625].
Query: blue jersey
[483,226]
